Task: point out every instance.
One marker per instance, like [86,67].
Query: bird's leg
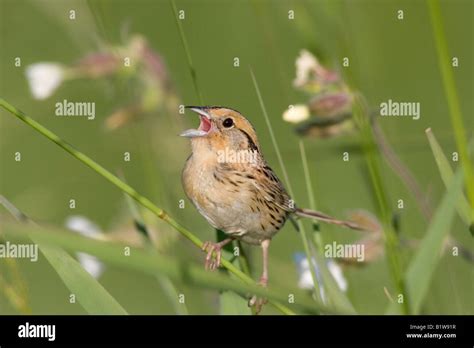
[256,301]
[210,247]
[264,277]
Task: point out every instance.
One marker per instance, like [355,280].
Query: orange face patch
[219,115]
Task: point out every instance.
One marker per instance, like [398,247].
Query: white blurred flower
[84,226]
[306,64]
[91,264]
[44,78]
[87,228]
[336,272]
[296,113]
[305,280]
[309,70]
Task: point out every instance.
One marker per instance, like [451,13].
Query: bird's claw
[258,302]
[212,263]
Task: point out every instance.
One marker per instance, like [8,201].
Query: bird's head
[222,128]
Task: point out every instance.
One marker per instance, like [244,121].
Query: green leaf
[449,84]
[335,295]
[165,283]
[446,172]
[187,52]
[233,304]
[230,302]
[422,267]
[92,296]
[372,157]
[152,263]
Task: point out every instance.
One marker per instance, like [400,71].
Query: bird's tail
[317,215]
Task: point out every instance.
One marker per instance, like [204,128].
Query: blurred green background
[389,59]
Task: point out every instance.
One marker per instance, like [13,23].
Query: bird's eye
[228,122]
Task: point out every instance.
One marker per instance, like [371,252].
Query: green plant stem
[447,175]
[187,51]
[402,171]
[152,263]
[452,97]
[307,251]
[145,202]
[424,263]
[304,237]
[373,163]
[341,299]
[166,284]
[71,272]
[330,286]
[243,260]
[272,134]
[312,202]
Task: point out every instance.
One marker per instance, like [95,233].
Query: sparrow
[229,182]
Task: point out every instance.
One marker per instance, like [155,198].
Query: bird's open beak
[204,127]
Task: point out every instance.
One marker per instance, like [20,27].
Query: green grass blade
[272,134]
[233,304]
[333,291]
[312,201]
[336,296]
[372,158]
[444,59]
[14,287]
[187,52]
[143,201]
[152,263]
[423,265]
[446,172]
[92,296]
[170,290]
[230,302]
[172,293]
[304,237]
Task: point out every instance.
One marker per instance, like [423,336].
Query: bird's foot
[212,263]
[258,302]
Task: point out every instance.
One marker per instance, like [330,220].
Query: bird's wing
[272,190]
